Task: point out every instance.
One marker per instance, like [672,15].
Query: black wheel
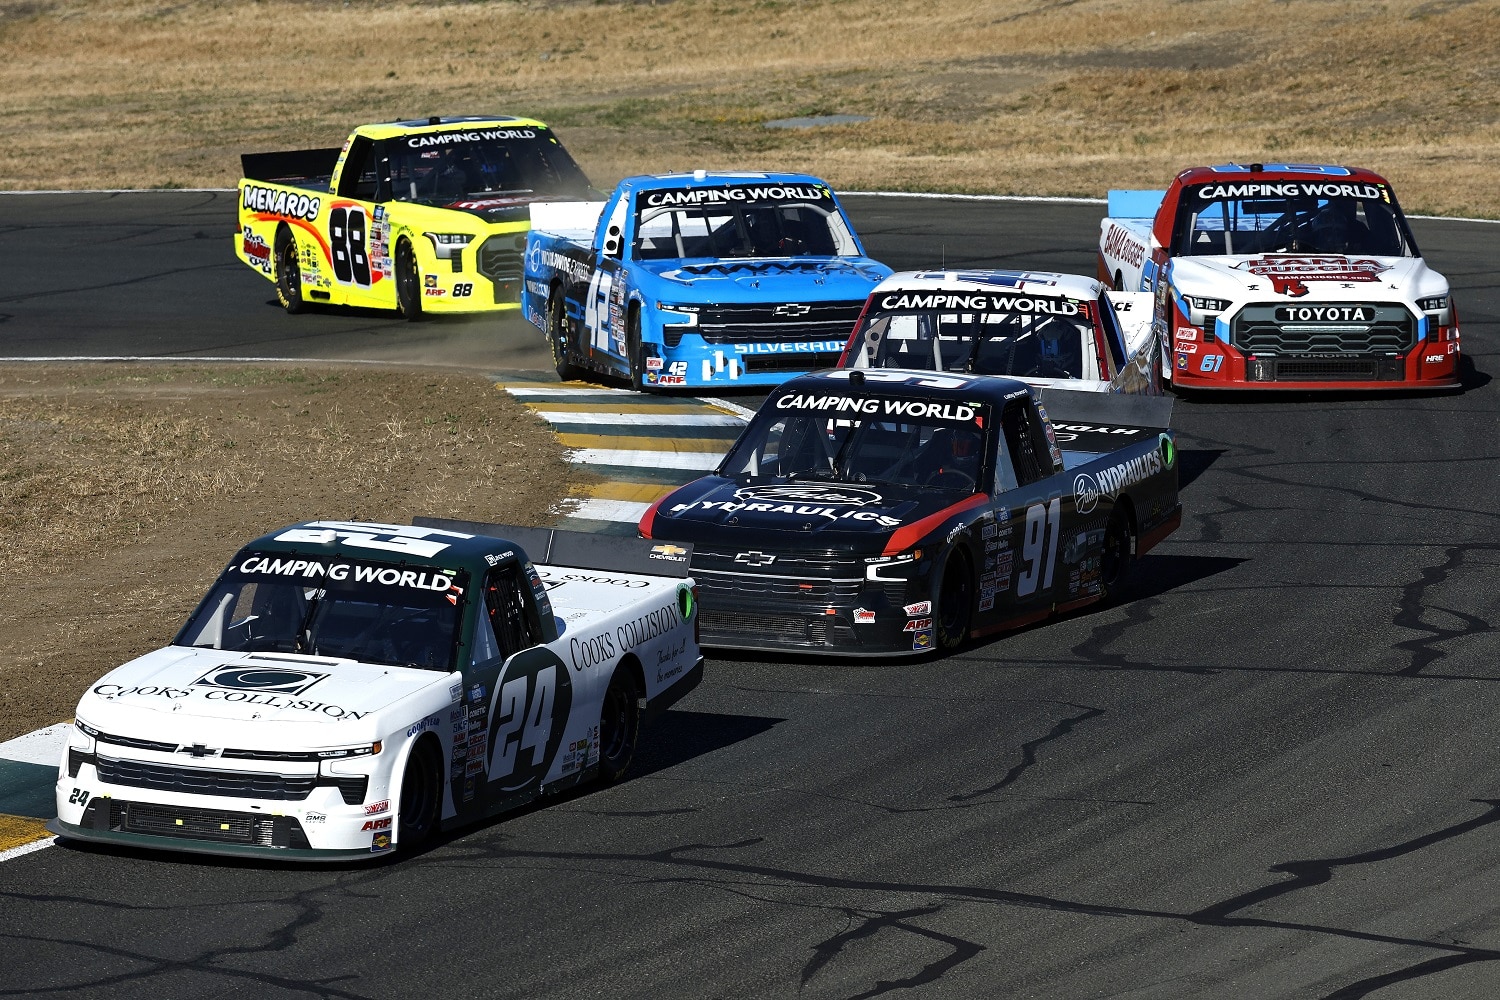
[408,282]
[421,796]
[560,338]
[1118,555]
[619,726]
[633,354]
[288,272]
[1119,281]
[953,601]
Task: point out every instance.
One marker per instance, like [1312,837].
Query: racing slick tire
[619,726]
[953,600]
[633,355]
[288,272]
[1118,556]
[408,283]
[421,799]
[559,337]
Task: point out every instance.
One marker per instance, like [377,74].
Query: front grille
[1323,370]
[793,562]
[760,323]
[499,258]
[794,362]
[201,781]
[719,584]
[1272,328]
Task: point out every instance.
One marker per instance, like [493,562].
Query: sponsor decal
[277,680]
[403,538]
[921,640]
[256,249]
[987,602]
[911,409]
[756,558]
[339,572]
[672,380]
[801,347]
[1187,333]
[1086,492]
[380,842]
[429,280]
[1186,349]
[978,302]
[1433,359]
[918,625]
[376,808]
[920,608]
[1288,273]
[1182,360]
[314,817]
[476,693]
[482,135]
[287,204]
[1120,244]
[1289,189]
[851,496]
[376,824]
[736,194]
[422,726]
[654,364]
[672,553]
[1115,478]
[552,579]
[864,616]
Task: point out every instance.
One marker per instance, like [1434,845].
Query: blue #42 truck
[696,280]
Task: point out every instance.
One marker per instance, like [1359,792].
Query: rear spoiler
[1068,406]
[1134,204]
[291,165]
[579,549]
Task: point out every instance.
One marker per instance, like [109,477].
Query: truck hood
[182,686]
[756,280]
[1318,277]
[715,512]
[499,208]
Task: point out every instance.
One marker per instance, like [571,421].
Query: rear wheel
[953,601]
[559,339]
[408,282]
[288,272]
[619,726]
[1118,556]
[421,796]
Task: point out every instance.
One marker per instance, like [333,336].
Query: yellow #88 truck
[428,215]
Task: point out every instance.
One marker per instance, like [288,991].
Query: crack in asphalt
[1414,606]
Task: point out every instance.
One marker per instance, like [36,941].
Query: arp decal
[273,680]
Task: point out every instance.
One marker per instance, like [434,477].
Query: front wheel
[408,282]
[634,356]
[559,339]
[288,272]
[953,601]
[619,726]
[421,796]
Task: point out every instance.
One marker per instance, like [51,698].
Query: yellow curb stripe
[17,831]
[634,492]
[632,443]
[625,407]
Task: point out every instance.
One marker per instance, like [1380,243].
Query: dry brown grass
[1004,96]
[124,489]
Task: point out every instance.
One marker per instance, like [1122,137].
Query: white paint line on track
[642,419]
[31,848]
[609,510]
[742,412]
[44,746]
[543,392]
[701,461]
[186,357]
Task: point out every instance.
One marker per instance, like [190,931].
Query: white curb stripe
[45,746]
[642,419]
[609,510]
[35,845]
[699,460]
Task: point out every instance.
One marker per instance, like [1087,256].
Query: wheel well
[1125,504]
[631,663]
[1119,281]
[427,739]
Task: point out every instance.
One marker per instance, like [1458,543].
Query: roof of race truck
[1048,283]
[403,543]
[436,123]
[1282,171]
[711,178]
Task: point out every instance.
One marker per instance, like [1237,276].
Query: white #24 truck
[347,688]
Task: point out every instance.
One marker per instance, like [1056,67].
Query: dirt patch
[125,488]
[997,96]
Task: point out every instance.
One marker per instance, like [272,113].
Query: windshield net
[909,442]
[1011,342]
[1291,217]
[372,612]
[443,167]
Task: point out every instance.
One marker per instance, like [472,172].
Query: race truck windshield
[1048,344]
[1291,217]
[372,612]
[864,439]
[439,168]
[712,222]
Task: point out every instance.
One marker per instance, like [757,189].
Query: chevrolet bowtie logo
[792,309]
[755,559]
[668,550]
[197,750]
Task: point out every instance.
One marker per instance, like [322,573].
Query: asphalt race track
[1274,773]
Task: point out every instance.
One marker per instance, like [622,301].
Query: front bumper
[122,838]
[871,622]
[692,362]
